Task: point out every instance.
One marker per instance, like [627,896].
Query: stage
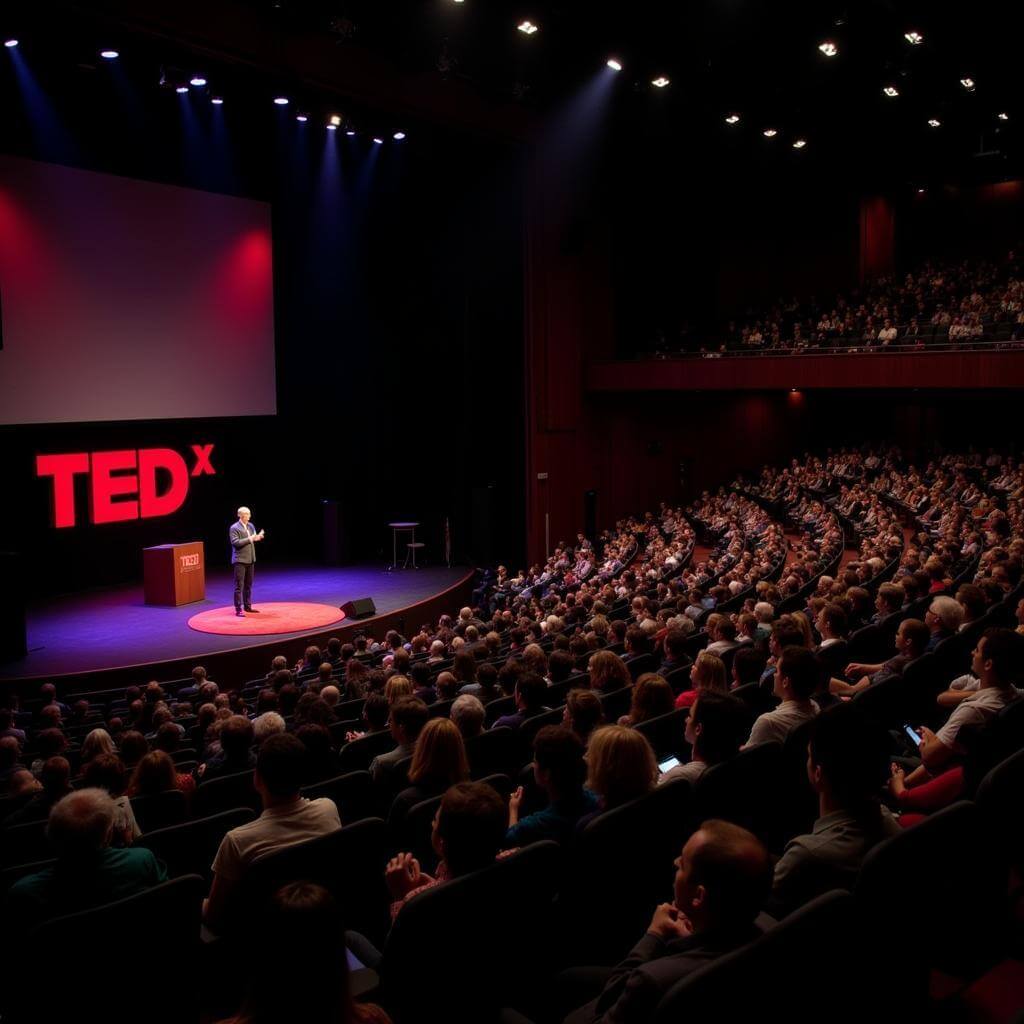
[110,637]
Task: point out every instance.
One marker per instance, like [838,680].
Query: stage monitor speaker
[360,608]
[12,607]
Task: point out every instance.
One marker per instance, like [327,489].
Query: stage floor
[114,627]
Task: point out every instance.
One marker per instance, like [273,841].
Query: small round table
[397,528]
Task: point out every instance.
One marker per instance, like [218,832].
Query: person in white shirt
[887,335]
[287,819]
[796,678]
[996,662]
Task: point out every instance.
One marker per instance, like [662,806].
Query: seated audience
[620,767]
[796,679]
[87,871]
[530,692]
[55,782]
[560,771]
[107,771]
[706,676]
[652,697]
[467,712]
[846,762]
[468,832]
[723,876]
[439,761]
[236,750]
[287,818]
[715,729]
[583,713]
[406,719]
[911,640]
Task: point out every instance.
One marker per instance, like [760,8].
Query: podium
[174,573]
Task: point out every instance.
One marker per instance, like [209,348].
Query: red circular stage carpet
[273,617]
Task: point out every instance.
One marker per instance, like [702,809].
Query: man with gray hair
[468,715]
[270,723]
[87,872]
[943,619]
[243,538]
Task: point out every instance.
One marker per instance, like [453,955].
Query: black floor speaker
[360,608]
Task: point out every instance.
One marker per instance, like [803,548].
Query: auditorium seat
[666,733]
[357,755]
[349,862]
[998,798]
[745,790]
[159,810]
[458,951]
[20,844]
[496,709]
[807,968]
[494,752]
[352,795]
[101,941]
[616,703]
[640,664]
[224,794]
[189,848]
[947,876]
[622,866]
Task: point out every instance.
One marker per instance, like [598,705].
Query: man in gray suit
[722,880]
[243,537]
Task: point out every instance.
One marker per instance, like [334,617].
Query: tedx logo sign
[189,563]
[124,484]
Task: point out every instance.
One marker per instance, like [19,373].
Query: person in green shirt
[87,872]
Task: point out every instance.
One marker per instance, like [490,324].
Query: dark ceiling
[759,60]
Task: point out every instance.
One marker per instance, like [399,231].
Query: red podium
[174,573]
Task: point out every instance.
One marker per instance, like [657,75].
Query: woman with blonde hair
[439,761]
[707,674]
[620,766]
[804,625]
[397,687]
[608,672]
[536,660]
[97,742]
[652,696]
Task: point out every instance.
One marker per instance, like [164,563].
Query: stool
[411,548]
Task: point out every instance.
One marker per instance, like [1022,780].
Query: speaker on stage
[12,607]
[360,608]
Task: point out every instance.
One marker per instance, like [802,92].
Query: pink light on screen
[241,294]
[26,261]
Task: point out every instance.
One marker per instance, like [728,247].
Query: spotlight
[303,118]
[968,84]
[660,82]
[891,91]
[914,38]
[181,89]
[108,54]
[1003,116]
[217,100]
[334,121]
[614,64]
[378,142]
[934,122]
[332,127]
[799,143]
[281,101]
[350,132]
[828,48]
[733,119]
[769,133]
[527,27]
[920,191]
[10,43]
[197,80]
[398,136]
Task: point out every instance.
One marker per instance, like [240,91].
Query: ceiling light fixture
[968,84]
[334,121]
[217,100]
[281,101]
[10,43]
[914,38]
[799,143]
[769,133]
[1003,116]
[108,54]
[660,82]
[828,48]
[733,119]
[527,27]
[614,64]
[934,122]
[198,81]
[891,91]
